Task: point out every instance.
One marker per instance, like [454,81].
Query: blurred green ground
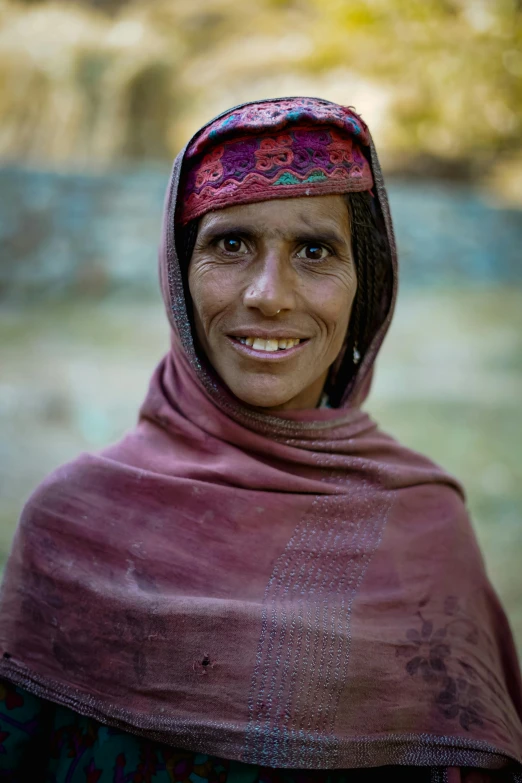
[449,384]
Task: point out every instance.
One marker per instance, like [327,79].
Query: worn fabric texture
[41,741]
[293,590]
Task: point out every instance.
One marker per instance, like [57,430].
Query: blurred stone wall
[91,82]
[79,235]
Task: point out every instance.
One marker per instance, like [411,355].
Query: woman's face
[272,286]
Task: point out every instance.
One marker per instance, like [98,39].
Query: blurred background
[97,97]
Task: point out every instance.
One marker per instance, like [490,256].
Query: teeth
[259,344]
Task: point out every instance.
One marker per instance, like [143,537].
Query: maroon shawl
[294,590]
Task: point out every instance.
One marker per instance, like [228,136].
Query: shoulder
[89,484]
[401,467]
[67,515]
[428,510]
[67,489]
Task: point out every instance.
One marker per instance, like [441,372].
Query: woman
[257,583]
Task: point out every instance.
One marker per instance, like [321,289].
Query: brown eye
[232,244]
[313,252]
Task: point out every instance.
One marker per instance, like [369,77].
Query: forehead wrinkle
[229,224]
[328,230]
[259,227]
[302,227]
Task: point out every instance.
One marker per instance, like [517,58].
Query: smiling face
[272,285]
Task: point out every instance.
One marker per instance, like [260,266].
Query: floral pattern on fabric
[250,168]
[20,715]
[435,654]
[47,743]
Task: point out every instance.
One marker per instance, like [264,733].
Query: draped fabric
[293,590]
[42,741]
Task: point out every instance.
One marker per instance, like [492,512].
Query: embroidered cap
[272,153]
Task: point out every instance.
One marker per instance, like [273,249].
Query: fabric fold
[292,590]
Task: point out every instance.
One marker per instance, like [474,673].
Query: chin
[267,396]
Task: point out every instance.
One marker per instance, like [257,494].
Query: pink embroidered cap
[274,150]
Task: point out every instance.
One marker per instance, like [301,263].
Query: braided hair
[374,287]
[372,299]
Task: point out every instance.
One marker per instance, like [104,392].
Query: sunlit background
[95,100]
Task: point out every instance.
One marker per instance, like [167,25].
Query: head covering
[304,160]
[293,590]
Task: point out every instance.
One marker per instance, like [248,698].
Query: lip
[267,356]
[266,334]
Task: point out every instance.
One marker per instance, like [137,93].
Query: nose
[272,286]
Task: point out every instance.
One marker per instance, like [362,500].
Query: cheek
[211,292]
[333,300]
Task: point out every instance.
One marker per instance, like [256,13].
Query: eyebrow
[319,235]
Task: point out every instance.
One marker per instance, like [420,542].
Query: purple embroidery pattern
[275,115]
[247,169]
[430,656]
[278,149]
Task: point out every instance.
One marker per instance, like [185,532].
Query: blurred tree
[108,6]
[454,67]
[78,84]
[77,87]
